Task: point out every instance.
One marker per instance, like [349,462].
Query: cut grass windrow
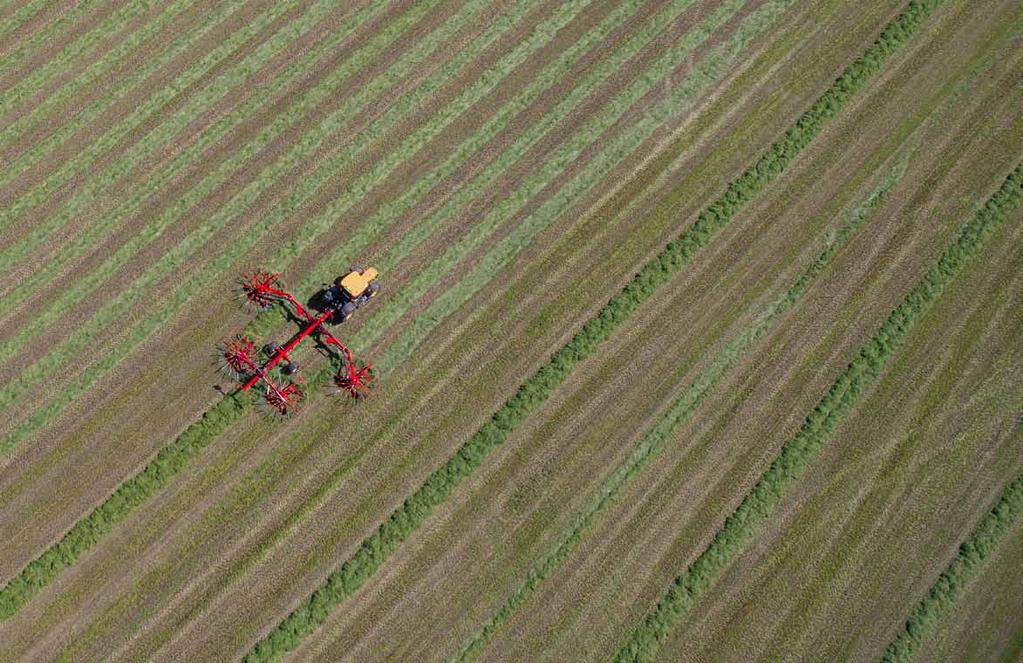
[680,100]
[365,339]
[45,35]
[21,16]
[76,50]
[351,106]
[587,84]
[115,56]
[869,363]
[81,203]
[374,550]
[171,459]
[560,16]
[678,413]
[942,595]
[143,149]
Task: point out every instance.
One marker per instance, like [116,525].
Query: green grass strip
[758,505]
[45,35]
[382,168]
[129,495]
[681,98]
[142,150]
[21,16]
[942,595]
[442,483]
[81,203]
[551,74]
[351,106]
[70,89]
[76,50]
[661,433]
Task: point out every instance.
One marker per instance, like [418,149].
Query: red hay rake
[272,365]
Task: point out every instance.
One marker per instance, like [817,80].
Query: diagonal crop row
[320,379]
[867,366]
[21,16]
[351,106]
[381,169]
[661,433]
[41,571]
[166,130]
[942,595]
[189,156]
[681,98]
[43,36]
[76,50]
[375,550]
[70,89]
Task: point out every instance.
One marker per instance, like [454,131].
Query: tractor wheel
[271,348]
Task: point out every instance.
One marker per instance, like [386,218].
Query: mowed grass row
[491,262]
[42,112]
[758,505]
[168,462]
[188,158]
[175,256]
[441,484]
[228,408]
[21,16]
[143,150]
[43,36]
[954,579]
[80,48]
[311,140]
[678,413]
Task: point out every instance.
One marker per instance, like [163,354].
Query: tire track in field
[441,483]
[757,506]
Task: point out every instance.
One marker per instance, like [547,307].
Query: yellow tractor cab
[351,291]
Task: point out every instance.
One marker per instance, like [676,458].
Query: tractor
[273,365]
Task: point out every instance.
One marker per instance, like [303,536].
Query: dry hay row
[185,439]
[25,148]
[680,410]
[226,88]
[45,35]
[170,261]
[420,570]
[442,483]
[757,506]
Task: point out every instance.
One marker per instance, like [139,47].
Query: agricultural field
[699,334]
